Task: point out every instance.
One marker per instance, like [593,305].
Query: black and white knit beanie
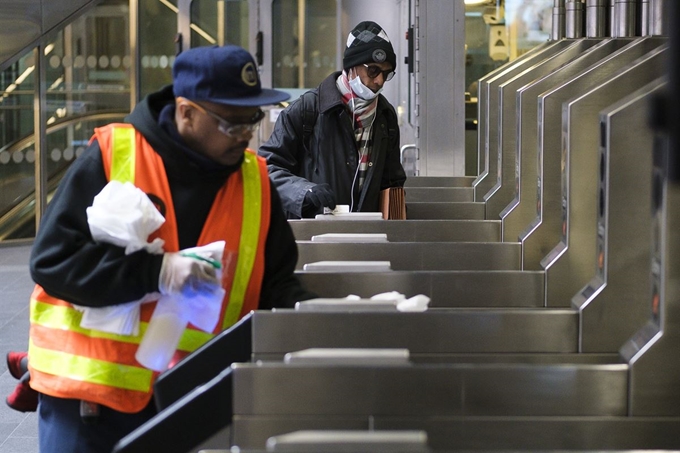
[368,43]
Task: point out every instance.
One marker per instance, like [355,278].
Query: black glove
[316,199]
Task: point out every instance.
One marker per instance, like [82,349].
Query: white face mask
[362,90]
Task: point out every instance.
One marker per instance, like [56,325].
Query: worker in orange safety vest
[185,147]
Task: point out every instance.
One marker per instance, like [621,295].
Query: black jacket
[69,265]
[332,156]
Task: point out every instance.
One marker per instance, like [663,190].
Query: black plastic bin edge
[183,425]
[229,346]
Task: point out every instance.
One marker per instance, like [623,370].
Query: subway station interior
[543,186]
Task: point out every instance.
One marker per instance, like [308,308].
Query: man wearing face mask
[339,143]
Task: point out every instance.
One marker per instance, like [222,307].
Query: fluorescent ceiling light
[476,2]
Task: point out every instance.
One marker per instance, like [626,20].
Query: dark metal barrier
[187,422]
[231,345]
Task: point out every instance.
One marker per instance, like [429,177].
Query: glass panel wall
[87,83]
[219,22]
[304,50]
[212,22]
[157,47]
[88,72]
[17,84]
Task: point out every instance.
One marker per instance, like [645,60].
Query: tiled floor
[18,431]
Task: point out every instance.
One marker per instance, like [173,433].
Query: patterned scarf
[364,114]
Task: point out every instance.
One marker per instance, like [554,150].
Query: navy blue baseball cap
[223,75]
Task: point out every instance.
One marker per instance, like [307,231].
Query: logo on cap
[379,55]
[249,74]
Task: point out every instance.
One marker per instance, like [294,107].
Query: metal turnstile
[464,289]
[517,215]
[620,286]
[273,398]
[545,231]
[502,137]
[405,230]
[487,113]
[652,351]
[570,265]
[439,194]
[425,210]
[436,332]
[417,255]
[439,181]
[483,107]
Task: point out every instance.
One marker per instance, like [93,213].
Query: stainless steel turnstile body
[517,216]
[445,211]
[405,230]
[503,191]
[439,194]
[417,255]
[439,181]
[430,390]
[620,287]
[434,332]
[483,108]
[545,231]
[488,112]
[444,288]
[498,406]
[570,265]
[652,352]
[442,198]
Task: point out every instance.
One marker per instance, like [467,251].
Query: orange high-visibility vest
[68,361]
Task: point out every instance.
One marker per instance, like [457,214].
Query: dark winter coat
[331,155]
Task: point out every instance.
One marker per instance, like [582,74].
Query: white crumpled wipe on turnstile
[417,303]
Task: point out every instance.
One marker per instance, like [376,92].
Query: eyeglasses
[373,72]
[227,128]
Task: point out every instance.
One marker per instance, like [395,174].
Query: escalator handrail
[17,215]
[23,142]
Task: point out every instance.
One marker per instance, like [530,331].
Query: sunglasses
[373,71]
[227,128]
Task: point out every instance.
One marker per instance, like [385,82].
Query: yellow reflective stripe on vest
[90,370]
[193,339]
[63,317]
[250,235]
[123,154]
[67,318]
